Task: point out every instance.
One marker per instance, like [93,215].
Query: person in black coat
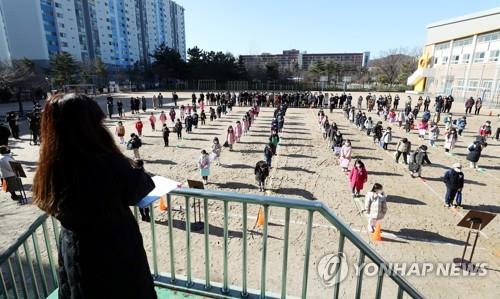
[454,181]
[475,150]
[89,185]
[261,174]
[4,135]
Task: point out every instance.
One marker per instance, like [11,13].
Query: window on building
[465,58]
[58,5]
[61,25]
[472,84]
[64,44]
[435,60]
[62,34]
[445,60]
[494,55]
[488,37]
[455,59]
[462,42]
[59,15]
[487,84]
[479,57]
[460,83]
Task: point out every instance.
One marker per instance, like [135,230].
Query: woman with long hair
[85,181]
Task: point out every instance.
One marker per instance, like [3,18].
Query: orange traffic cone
[260,218]
[377,234]
[4,185]
[163,207]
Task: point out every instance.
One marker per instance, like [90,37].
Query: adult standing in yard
[98,229]
[469,103]
[454,181]
[7,173]
[403,148]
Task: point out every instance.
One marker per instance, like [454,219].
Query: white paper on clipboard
[162,186]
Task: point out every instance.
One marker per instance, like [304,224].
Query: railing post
[244,292]
[379,283]
[337,275]
[153,239]
[38,256]
[400,292]
[264,254]
[49,253]
[359,281]
[13,278]
[307,253]
[171,238]
[4,286]
[285,253]
[55,227]
[135,213]
[189,282]
[225,284]
[206,229]
[31,269]
[21,274]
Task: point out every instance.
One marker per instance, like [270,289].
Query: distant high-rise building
[120,32]
[294,59]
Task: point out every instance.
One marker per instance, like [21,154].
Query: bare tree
[395,65]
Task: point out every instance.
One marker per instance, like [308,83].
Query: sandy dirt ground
[417,227]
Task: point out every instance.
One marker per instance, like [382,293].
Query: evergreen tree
[63,69]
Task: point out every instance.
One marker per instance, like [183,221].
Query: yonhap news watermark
[333,268]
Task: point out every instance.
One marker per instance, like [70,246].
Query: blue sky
[316,26]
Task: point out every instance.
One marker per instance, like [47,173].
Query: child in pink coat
[163,118]
[239,131]
[358,177]
[230,137]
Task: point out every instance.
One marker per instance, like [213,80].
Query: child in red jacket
[138,126]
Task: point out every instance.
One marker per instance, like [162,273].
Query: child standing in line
[345,155]
[138,126]
[163,118]
[203,117]
[386,138]
[165,132]
[261,174]
[268,154]
[178,129]
[204,166]
[358,177]
[216,150]
[239,131]
[152,121]
[375,206]
[172,115]
[245,124]
[230,137]
[182,112]
[422,129]
[120,132]
[433,133]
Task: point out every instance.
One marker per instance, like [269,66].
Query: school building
[461,57]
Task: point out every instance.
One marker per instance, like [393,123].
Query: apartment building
[120,32]
[290,59]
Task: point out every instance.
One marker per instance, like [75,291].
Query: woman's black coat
[101,253]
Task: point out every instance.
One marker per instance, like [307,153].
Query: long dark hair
[73,135]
